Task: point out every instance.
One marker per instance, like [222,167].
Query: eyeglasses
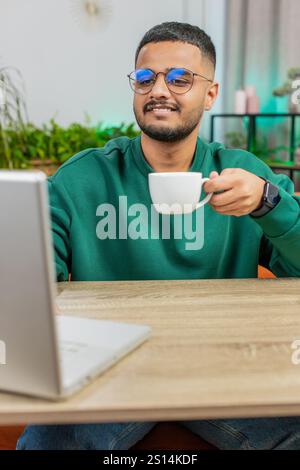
[178,80]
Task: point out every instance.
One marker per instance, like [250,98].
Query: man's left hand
[242,195]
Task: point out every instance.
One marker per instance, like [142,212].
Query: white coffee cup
[177,192]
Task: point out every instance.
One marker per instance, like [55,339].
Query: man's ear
[211,96]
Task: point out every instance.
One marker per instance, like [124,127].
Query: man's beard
[168,134]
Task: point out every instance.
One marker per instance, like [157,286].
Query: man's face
[188,108]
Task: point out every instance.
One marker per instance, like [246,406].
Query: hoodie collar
[145,168]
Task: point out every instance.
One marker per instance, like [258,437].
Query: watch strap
[267,203]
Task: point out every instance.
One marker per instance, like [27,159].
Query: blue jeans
[258,433]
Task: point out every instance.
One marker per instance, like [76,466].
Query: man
[173,85]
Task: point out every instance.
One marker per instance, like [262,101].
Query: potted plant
[287,89]
[48,146]
[13,114]
[25,145]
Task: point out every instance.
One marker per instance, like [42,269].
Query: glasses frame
[194,74]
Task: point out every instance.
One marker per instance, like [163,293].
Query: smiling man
[252,218]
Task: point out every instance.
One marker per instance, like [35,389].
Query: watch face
[272,194]
[275,199]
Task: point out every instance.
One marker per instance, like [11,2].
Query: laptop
[44,354]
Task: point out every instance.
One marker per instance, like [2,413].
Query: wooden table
[219,348]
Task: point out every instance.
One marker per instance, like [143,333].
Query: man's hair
[183,32]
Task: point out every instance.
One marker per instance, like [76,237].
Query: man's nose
[160,88]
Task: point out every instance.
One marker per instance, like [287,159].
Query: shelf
[251,137]
[264,115]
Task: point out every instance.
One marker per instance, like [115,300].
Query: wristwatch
[270,199]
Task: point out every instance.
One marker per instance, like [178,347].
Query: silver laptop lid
[27,326]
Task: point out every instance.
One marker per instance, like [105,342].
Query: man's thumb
[213,175]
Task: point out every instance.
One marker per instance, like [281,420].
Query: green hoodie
[104,225]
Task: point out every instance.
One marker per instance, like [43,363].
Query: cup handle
[206,199]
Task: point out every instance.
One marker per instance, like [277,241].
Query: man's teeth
[162,109]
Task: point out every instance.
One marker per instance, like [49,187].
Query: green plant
[54,144]
[260,147]
[23,144]
[287,88]
[13,113]
[235,140]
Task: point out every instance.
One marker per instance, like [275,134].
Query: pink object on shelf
[253,104]
[250,90]
[240,102]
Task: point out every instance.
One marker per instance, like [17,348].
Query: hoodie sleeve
[280,244]
[60,223]
[280,228]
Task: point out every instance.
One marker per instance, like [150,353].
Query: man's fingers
[229,171]
[228,208]
[219,200]
[219,183]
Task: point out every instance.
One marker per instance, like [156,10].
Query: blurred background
[63,83]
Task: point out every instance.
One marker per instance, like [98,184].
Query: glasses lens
[179,80]
[142,80]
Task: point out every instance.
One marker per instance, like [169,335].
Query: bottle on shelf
[246,101]
[240,102]
[252,100]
